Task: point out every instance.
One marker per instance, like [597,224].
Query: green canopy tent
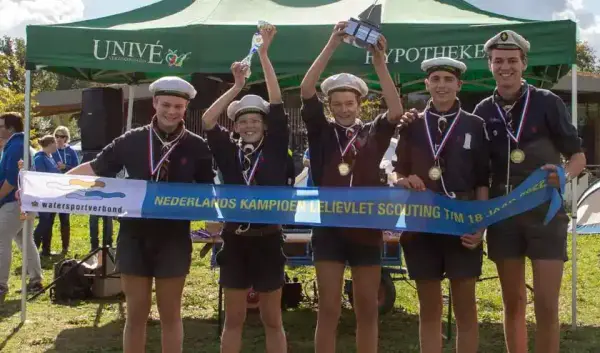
[181,37]
[186,36]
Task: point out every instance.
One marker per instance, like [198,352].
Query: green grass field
[95,326]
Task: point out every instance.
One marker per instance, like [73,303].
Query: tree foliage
[586,58]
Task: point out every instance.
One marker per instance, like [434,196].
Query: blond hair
[65,131]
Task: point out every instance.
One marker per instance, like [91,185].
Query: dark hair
[47,140]
[12,120]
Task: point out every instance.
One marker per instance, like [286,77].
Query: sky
[16,14]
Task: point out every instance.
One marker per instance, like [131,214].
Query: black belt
[247,230]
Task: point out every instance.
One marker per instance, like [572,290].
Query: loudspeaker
[102,117]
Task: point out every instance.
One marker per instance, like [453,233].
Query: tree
[586,58]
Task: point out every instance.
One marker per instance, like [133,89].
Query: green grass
[95,326]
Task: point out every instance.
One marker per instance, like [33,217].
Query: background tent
[180,37]
[206,36]
[588,210]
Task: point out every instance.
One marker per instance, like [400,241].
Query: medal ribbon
[154,169]
[436,152]
[248,179]
[523,117]
[350,143]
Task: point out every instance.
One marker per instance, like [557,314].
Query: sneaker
[34,287]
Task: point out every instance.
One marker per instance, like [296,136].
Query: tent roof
[181,37]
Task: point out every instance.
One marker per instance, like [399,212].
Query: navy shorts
[154,254]
[247,261]
[354,247]
[525,235]
[437,256]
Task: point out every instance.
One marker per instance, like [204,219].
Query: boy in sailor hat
[444,150]
[335,161]
[252,255]
[529,128]
[155,250]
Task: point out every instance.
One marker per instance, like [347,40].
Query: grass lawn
[96,326]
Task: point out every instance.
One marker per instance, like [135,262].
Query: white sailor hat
[507,40]
[172,86]
[344,81]
[444,64]
[250,103]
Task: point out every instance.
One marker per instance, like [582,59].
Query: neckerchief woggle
[523,116]
[154,169]
[350,141]
[437,151]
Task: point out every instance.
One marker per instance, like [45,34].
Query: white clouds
[588,23]
[17,13]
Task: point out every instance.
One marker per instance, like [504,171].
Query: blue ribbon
[356,207]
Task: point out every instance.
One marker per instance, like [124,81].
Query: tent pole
[131,99]
[574,208]
[27,231]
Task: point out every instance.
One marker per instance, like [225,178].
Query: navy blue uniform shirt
[464,159]
[272,169]
[190,162]
[547,132]
[325,156]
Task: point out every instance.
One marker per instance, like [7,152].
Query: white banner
[58,193]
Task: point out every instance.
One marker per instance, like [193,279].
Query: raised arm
[211,116]
[307,87]
[390,93]
[270,77]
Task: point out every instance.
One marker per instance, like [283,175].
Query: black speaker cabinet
[102,117]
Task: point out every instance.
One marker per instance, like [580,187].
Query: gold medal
[517,156]
[435,173]
[344,169]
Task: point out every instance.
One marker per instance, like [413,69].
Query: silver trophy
[365,30]
[257,42]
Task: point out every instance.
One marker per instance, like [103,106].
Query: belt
[245,230]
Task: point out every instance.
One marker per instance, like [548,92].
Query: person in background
[11,224]
[66,159]
[44,163]
[94,220]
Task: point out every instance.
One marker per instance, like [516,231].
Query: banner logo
[145,53]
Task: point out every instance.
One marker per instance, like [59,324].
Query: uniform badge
[504,36]
[467,144]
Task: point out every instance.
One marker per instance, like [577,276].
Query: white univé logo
[146,53]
